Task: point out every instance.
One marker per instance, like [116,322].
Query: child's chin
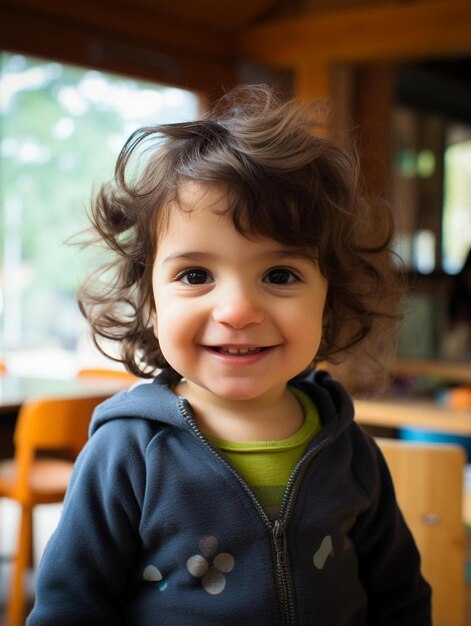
[238,392]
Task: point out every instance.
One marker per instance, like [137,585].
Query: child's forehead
[189,198]
[195,195]
[199,207]
[203,235]
[193,202]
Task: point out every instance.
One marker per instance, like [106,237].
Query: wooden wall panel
[416,29]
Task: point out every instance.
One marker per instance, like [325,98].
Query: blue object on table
[429,436]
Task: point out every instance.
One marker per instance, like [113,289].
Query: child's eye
[281,276]
[195,277]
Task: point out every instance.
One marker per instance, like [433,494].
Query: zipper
[285,579]
[277,528]
[296,477]
[283,573]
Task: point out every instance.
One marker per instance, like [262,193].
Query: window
[457,198]
[62,128]
[432,189]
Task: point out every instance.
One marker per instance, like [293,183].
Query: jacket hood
[155,401]
[152,401]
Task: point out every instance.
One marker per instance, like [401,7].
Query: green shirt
[267,465]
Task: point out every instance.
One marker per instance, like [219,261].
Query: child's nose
[238,310]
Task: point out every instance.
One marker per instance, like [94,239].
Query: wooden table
[14,390]
[410,413]
[456,372]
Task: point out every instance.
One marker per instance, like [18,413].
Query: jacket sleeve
[389,562]
[83,573]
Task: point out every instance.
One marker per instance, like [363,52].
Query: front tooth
[238,350]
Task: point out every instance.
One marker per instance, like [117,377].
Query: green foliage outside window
[61,130]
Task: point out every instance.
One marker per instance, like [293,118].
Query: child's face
[236,317]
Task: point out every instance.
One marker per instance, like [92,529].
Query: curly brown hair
[283,182]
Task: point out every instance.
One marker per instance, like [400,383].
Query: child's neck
[263,419]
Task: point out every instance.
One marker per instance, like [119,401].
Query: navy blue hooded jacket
[158,529]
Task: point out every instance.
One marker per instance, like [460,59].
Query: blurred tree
[61,130]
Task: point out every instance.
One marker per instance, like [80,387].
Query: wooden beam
[398,31]
[36,33]
[130,22]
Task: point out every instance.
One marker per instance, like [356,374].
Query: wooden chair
[428,479]
[53,426]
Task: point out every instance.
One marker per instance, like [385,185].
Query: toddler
[236,487]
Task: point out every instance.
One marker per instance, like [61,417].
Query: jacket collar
[154,401]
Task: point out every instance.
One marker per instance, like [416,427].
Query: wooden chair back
[49,424]
[428,479]
[57,423]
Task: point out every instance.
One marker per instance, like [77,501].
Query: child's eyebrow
[187,256]
[284,253]
[288,253]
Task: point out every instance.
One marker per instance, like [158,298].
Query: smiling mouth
[232,350]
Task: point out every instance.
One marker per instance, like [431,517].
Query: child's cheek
[176,332]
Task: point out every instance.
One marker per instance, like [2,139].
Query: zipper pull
[281,548]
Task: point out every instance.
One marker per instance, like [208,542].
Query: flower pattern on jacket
[211,566]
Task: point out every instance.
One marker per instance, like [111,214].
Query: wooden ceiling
[199,43]
[217,15]
[199,16]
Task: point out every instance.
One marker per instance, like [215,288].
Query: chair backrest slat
[55,423]
[428,479]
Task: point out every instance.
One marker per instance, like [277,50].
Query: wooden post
[331,84]
[372,113]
